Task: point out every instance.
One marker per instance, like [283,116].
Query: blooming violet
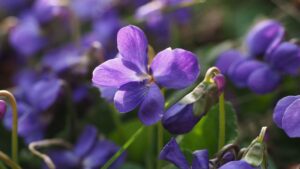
[280,58]
[88,152]
[137,82]
[287,115]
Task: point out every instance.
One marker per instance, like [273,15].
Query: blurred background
[67,39]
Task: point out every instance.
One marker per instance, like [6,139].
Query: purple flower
[90,9]
[286,58]
[264,37]
[172,153]
[88,152]
[27,36]
[46,10]
[220,81]
[180,118]
[2,108]
[240,164]
[263,80]
[136,82]
[226,59]
[287,115]
[34,104]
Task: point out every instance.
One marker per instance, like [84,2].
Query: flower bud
[2,108]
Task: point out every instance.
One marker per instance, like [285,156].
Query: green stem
[149,159]
[8,161]
[222,121]
[123,148]
[160,135]
[13,104]
[117,122]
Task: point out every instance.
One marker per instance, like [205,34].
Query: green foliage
[205,133]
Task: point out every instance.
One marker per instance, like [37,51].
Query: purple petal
[263,80]
[237,165]
[243,70]
[179,119]
[176,68]
[100,154]
[286,58]
[130,95]
[114,73]
[200,160]
[27,37]
[264,37]
[226,59]
[133,46]
[108,93]
[86,141]
[2,108]
[45,92]
[152,106]
[281,107]
[172,153]
[64,159]
[291,119]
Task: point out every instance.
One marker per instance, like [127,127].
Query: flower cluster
[287,115]
[134,82]
[88,152]
[267,60]
[172,153]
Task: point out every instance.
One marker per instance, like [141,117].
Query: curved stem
[8,161]
[123,148]
[45,143]
[262,134]
[210,73]
[13,104]
[222,121]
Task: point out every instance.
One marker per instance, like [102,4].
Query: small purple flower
[220,81]
[136,82]
[90,9]
[46,10]
[2,108]
[263,80]
[27,37]
[286,58]
[172,153]
[226,59]
[180,118]
[287,115]
[88,152]
[264,37]
[33,106]
[240,164]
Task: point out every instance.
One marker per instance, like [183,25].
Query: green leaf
[130,166]
[205,133]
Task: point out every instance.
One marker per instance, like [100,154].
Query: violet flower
[136,82]
[46,10]
[89,152]
[287,115]
[26,37]
[172,153]
[264,36]
[181,117]
[280,58]
[34,104]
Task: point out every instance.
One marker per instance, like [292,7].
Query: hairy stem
[8,161]
[46,143]
[222,121]
[13,104]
